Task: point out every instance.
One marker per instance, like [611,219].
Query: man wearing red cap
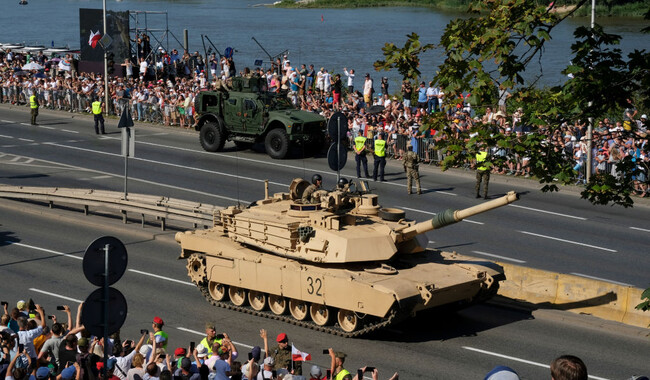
[158,334]
[281,353]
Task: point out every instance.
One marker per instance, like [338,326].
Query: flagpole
[292,358]
[105,65]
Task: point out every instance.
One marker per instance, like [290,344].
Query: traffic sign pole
[107,249]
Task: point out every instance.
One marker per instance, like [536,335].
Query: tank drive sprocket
[196,268]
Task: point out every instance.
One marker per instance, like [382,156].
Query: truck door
[232,114]
[251,116]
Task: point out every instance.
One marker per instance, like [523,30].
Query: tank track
[365,329]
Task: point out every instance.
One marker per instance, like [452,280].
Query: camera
[191,347]
[21,347]
[250,355]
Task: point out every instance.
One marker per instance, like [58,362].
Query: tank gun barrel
[453,216]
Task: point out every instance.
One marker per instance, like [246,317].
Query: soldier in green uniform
[411,165]
[307,195]
[281,354]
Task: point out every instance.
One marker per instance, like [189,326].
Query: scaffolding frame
[160,36]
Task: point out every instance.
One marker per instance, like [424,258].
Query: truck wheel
[277,143]
[212,137]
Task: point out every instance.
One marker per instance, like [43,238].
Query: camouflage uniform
[411,161]
[307,194]
[282,359]
[482,174]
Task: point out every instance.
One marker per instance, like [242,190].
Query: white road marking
[28,140]
[161,277]
[148,182]
[8,121]
[7,137]
[548,212]
[45,127]
[601,279]
[569,241]
[101,177]
[15,159]
[44,250]
[9,146]
[434,213]
[542,365]
[169,164]
[56,295]
[69,131]
[499,257]
[29,125]
[640,229]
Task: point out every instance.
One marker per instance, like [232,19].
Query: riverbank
[636,9]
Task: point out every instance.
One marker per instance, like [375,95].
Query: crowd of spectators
[32,349]
[161,87]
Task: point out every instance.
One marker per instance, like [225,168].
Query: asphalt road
[557,232]
[41,252]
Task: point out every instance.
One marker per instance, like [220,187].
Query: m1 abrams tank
[343,265]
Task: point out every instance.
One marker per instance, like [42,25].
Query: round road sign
[94,260]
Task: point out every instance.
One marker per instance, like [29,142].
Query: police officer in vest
[338,372]
[158,334]
[482,172]
[360,154]
[33,105]
[380,157]
[98,108]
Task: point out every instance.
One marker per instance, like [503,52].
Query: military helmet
[342,182]
[316,177]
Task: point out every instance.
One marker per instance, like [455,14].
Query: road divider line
[43,249]
[499,257]
[8,121]
[7,137]
[519,360]
[161,277]
[69,131]
[640,229]
[203,334]
[434,213]
[569,241]
[168,164]
[29,125]
[548,212]
[601,279]
[56,295]
[28,140]
[45,127]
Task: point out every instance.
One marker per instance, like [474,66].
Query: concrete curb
[576,294]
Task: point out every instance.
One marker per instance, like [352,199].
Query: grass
[636,9]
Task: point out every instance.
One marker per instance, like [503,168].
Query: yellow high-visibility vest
[32,102]
[480,157]
[380,148]
[359,142]
[97,107]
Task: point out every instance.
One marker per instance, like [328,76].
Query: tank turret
[339,253]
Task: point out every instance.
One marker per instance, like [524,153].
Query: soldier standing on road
[33,104]
[98,108]
[338,372]
[380,157]
[411,166]
[360,154]
[307,195]
[281,354]
[482,172]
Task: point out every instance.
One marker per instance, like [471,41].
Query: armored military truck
[246,115]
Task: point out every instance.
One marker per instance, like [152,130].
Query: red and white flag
[299,356]
[94,38]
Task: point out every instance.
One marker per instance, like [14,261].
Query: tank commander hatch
[310,194]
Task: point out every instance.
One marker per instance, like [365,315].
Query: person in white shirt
[350,76]
[26,337]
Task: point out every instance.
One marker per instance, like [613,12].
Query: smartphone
[359,374]
[21,347]
[60,308]
[328,373]
[69,364]
[176,377]
[250,355]
[274,373]
[144,331]
[326,352]
[370,369]
[191,347]
[220,336]
[163,356]
[50,317]
[5,303]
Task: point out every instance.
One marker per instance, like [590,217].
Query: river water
[330,38]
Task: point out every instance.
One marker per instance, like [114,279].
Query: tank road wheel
[257,300]
[347,320]
[277,304]
[320,314]
[212,137]
[196,268]
[217,291]
[277,143]
[237,295]
[299,309]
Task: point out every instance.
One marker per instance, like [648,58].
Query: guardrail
[163,208]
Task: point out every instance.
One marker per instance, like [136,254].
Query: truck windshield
[276,102]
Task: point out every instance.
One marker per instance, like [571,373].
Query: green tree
[406,59]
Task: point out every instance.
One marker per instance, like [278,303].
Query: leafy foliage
[645,305]
[406,59]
